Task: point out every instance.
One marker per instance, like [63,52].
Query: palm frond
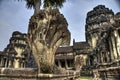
[30,3]
[54,3]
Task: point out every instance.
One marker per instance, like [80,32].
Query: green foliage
[85,78]
[31,3]
[46,3]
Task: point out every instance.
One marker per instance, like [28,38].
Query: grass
[84,78]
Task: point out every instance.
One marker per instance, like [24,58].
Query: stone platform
[31,74]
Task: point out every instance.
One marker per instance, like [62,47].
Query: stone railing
[109,70]
[31,74]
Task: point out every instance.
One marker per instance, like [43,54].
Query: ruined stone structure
[72,57]
[103,36]
[14,54]
[98,56]
[66,57]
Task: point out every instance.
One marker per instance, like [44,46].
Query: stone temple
[99,55]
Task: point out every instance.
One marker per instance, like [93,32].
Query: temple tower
[15,52]
[18,40]
[97,21]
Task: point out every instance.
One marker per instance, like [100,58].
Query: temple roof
[98,15]
[18,33]
[67,49]
[100,9]
[2,54]
[80,45]
[10,49]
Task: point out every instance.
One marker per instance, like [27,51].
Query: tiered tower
[15,52]
[97,22]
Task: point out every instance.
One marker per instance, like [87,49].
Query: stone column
[88,61]
[9,63]
[23,64]
[114,47]
[12,61]
[96,57]
[6,63]
[107,57]
[66,64]
[16,63]
[0,61]
[3,62]
[118,44]
[111,50]
[59,63]
[101,57]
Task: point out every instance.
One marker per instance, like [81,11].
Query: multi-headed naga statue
[47,31]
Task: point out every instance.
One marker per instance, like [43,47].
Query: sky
[14,16]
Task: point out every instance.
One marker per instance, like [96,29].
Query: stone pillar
[22,64]
[6,63]
[111,50]
[16,63]
[9,63]
[95,59]
[107,58]
[3,62]
[59,63]
[118,44]
[66,64]
[0,61]
[101,56]
[88,62]
[114,47]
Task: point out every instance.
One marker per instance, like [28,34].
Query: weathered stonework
[98,56]
[103,35]
[14,55]
[47,31]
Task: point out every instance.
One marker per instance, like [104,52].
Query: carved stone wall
[102,33]
[97,21]
[14,54]
[48,30]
